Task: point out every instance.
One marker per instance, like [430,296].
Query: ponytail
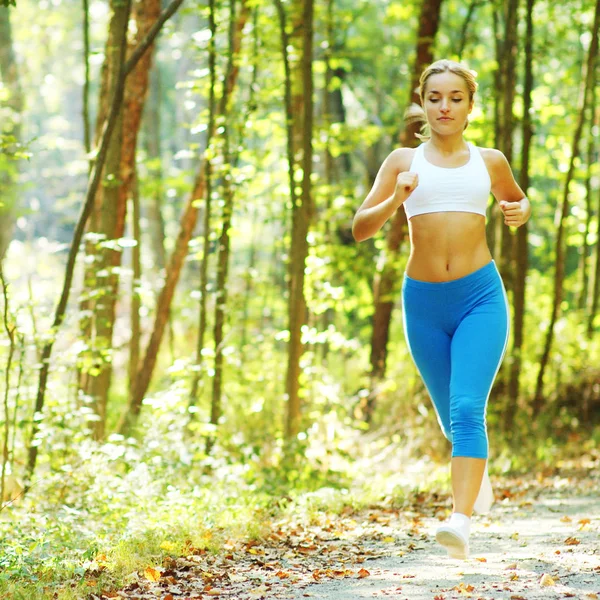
[415,114]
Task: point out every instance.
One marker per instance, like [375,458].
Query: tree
[385,282]
[586,89]
[86,209]
[187,224]
[299,119]
[11,127]
[521,248]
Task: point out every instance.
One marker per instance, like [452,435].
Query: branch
[151,35]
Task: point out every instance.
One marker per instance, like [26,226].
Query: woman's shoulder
[491,156]
[402,158]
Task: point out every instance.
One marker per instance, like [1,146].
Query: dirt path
[541,541]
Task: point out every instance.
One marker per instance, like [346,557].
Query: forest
[194,346]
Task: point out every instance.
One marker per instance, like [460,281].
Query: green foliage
[8,2]
[99,511]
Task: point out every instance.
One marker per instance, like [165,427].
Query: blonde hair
[415,113]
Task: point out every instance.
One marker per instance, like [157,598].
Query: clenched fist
[513,213]
[406,182]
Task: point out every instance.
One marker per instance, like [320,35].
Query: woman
[455,309]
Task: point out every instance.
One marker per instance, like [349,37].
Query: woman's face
[447,103]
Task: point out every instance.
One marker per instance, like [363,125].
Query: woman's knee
[469,435]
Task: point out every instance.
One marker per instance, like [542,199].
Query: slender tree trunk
[591,152]
[302,209]
[594,286]
[521,258]
[224,244]
[385,284]
[212,58]
[9,329]
[11,127]
[508,64]
[584,96]
[495,220]
[136,281]
[249,285]
[187,224]
[152,121]
[462,41]
[87,134]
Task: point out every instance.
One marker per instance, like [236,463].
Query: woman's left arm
[513,202]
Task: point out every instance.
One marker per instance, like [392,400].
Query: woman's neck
[447,144]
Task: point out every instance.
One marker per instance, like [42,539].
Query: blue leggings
[457,333]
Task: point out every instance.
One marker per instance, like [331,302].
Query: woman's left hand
[514,215]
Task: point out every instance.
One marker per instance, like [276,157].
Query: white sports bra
[442,189]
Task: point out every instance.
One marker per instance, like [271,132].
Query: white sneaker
[453,540]
[485,498]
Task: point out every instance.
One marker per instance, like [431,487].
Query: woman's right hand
[406,182]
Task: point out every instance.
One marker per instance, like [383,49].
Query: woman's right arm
[392,186]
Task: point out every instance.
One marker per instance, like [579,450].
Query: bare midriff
[446,246]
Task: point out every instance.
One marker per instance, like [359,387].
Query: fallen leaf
[363,573]
[566,519]
[464,590]
[151,574]
[481,559]
[514,577]
[389,538]
[546,580]
[571,541]
[511,566]
[592,596]
[259,592]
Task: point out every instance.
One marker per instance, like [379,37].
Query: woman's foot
[485,498]
[454,536]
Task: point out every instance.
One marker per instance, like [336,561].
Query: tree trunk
[299,99]
[585,91]
[495,221]
[11,127]
[212,58]
[585,249]
[187,225]
[386,281]
[594,286]
[134,342]
[87,134]
[152,121]
[224,244]
[521,258]
[462,41]
[508,62]
[119,170]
